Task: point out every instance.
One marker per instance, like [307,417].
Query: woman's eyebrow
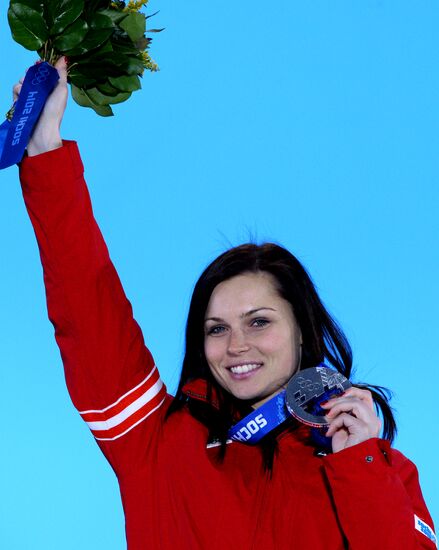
[253,311]
[246,314]
[216,319]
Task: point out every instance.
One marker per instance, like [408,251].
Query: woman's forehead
[243,294]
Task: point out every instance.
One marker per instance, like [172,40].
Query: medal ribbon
[262,420]
[15,134]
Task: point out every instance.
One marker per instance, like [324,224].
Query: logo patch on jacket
[425,529]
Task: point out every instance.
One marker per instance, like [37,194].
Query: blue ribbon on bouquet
[39,82]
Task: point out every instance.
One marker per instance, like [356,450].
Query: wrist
[42,142]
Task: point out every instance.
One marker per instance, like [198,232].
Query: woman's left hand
[352,419]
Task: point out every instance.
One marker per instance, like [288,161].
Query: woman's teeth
[242,369]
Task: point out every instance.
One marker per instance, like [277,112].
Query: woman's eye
[260,322]
[215,330]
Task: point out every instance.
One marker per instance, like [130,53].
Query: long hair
[322,338]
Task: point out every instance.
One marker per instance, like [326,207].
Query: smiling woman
[252,343]
[255,318]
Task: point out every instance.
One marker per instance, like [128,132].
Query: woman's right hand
[46,135]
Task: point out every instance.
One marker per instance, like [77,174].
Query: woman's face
[252,340]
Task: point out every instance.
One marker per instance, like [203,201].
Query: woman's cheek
[212,351]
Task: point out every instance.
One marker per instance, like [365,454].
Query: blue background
[313,126]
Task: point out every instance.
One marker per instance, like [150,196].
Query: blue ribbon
[38,84]
[261,421]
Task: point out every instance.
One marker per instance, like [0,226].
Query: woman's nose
[238,342]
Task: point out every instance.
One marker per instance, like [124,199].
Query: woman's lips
[243,370]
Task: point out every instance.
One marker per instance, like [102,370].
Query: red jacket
[175,494]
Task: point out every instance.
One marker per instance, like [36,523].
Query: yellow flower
[134,5]
[148,63]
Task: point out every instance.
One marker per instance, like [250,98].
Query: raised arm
[109,372]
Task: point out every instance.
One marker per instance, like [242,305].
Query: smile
[244,369]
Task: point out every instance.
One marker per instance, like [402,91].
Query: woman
[254,320]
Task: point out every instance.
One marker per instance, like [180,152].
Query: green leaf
[125,49]
[100,99]
[78,79]
[121,40]
[115,63]
[100,30]
[133,65]
[101,21]
[126,83]
[103,65]
[92,40]
[92,6]
[27,26]
[113,59]
[115,15]
[134,25]
[105,48]
[81,98]
[36,5]
[107,89]
[100,73]
[63,13]
[72,36]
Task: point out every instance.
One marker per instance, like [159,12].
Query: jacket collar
[202,390]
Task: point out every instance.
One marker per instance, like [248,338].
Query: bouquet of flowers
[104,41]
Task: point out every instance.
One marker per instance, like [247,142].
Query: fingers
[352,418]
[361,399]
[347,421]
[17,89]
[61,66]
[351,405]
[364,395]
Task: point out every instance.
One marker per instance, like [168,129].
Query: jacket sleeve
[110,373]
[378,499]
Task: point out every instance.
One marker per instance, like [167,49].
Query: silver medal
[309,388]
